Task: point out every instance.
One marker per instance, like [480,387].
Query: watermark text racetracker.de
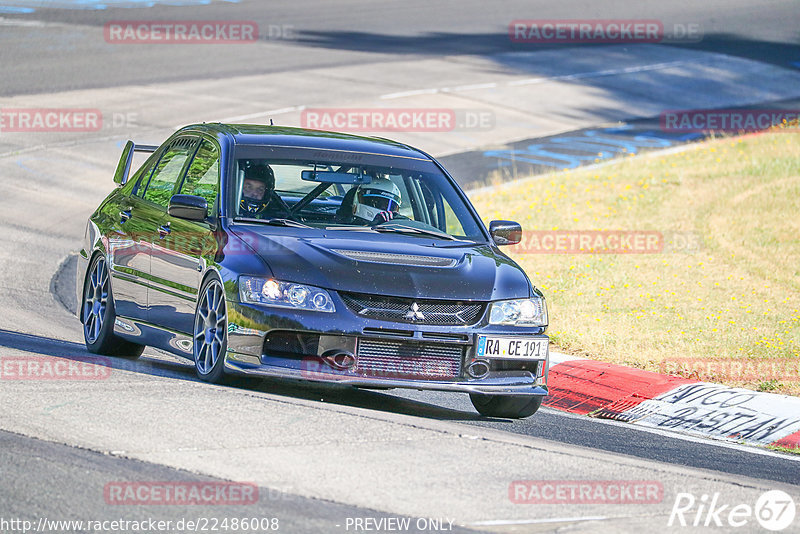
[562,31]
[192,32]
[180,493]
[606,242]
[397,119]
[150,524]
[54,368]
[50,120]
[748,370]
[44,120]
[586,492]
[729,120]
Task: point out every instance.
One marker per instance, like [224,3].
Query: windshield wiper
[274,221]
[403,229]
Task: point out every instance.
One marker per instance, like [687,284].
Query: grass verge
[779,448]
[720,302]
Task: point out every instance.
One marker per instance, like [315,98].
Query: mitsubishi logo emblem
[414,314]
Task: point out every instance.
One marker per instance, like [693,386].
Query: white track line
[558,357]
[29,23]
[503,522]
[475,86]
[269,113]
[415,92]
[600,73]
[530,81]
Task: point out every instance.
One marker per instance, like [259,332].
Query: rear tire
[507,406]
[210,338]
[98,315]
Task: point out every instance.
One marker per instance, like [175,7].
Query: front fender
[93,243]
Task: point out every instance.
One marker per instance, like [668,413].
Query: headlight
[521,312]
[271,292]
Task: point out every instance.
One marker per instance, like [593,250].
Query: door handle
[124,215]
[164,230]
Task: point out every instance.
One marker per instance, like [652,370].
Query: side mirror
[124,165]
[189,207]
[505,232]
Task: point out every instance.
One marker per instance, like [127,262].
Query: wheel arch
[82,301]
[211,272]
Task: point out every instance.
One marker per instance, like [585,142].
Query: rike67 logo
[774,511]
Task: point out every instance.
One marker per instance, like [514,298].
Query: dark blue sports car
[311,255]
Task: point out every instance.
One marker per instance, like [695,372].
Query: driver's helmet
[380,195]
[256,199]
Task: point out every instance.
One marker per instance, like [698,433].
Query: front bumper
[523,384]
[249,325]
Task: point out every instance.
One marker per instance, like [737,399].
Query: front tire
[98,315]
[506,406]
[210,340]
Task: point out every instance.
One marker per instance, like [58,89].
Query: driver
[377,201]
[257,190]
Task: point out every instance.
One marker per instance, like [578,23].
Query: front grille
[401,359]
[416,311]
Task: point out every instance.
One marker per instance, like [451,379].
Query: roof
[257,134]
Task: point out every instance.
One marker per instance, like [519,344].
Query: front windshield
[386,193]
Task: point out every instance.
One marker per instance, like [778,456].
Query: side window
[162,182]
[202,178]
[453,225]
[406,207]
[440,212]
[140,177]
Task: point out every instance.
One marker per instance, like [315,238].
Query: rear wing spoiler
[125,160]
[145,148]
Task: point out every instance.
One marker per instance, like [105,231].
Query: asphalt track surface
[350,31]
[50,476]
[59,473]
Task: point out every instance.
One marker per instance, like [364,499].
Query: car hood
[387,264]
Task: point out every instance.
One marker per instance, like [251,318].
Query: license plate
[524,348]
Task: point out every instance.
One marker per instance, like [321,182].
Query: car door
[129,245]
[178,257]
[153,202]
